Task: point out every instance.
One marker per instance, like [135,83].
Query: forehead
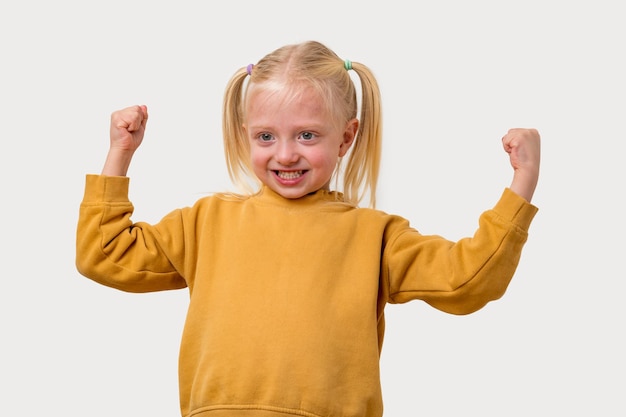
[282,94]
[270,99]
[306,99]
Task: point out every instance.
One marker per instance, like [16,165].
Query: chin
[292,196]
[290,193]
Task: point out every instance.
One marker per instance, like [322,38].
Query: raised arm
[524,149]
[127,129]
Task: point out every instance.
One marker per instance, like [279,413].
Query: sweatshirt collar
[268,196]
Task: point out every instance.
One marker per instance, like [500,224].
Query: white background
[455,76]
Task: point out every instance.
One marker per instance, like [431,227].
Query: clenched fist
[524,149]
[126,134]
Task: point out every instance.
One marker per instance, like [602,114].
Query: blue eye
[307,135]
[265,137]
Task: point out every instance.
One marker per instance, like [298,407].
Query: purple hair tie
[249,69]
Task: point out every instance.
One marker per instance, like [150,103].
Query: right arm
[110,248]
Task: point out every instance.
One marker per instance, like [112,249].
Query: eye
[307,136]
[265,137]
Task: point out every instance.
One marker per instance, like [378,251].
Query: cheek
[258,158]
[324,158]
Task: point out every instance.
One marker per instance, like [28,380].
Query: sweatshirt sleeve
[460,277]
[114,251]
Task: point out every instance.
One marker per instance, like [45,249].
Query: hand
[127,127]
[524,149]
[126,134]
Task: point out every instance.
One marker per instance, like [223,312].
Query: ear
[348,136]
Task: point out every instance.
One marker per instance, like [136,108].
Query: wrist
[117,162]
[524,184]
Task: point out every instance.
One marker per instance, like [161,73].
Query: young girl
[288,283]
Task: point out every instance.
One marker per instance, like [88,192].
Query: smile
[289,175]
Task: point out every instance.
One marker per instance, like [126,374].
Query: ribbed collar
[317,200]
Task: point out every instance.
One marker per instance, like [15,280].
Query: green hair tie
[347,64]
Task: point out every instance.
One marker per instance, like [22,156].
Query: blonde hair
[310,64]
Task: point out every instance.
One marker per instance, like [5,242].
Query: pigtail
[363,165]
[236,147]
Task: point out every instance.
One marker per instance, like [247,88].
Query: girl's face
[295,144]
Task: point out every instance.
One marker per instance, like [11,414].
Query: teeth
[289,175]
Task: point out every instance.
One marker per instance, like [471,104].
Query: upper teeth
[289,175]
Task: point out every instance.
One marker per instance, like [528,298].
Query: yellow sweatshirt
[287,296]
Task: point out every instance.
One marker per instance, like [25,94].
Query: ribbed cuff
[516,209]
[104,188]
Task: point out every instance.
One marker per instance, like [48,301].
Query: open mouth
[289,175]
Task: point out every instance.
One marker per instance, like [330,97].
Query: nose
[286,152]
